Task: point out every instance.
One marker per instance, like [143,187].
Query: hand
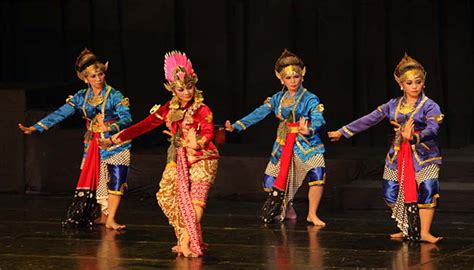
[228,126]
[108,142]
[100,122]
[334,135]
[104,143]
[396,125]
[303,128]
[191,140]
[407,131]
[169,124]
[26,130]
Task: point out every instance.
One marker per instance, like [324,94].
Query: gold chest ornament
[175,115]
[288,101]
[406,108]
[95,100]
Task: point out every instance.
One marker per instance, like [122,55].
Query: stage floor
[31,238]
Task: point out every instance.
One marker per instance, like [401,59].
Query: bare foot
[190,254]
[290,212]
[176,249]
[186,251]
[315,220]
[396,235]
[184,248]
[101,220]
[114,225]
[428,237]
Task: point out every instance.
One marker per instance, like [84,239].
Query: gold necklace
[288,100]
[96,100]
[406,108]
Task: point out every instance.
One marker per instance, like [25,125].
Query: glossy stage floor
[31,238]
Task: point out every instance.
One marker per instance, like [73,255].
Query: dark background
[350,49]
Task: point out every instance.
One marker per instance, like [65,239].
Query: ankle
[428,233]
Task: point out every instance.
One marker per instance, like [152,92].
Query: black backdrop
[350,49]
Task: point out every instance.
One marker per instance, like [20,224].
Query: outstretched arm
[152,121]
[365,122]
[361,124]
[57,116]
[252,118]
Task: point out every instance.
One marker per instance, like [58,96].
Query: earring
[282,82]
[401,88]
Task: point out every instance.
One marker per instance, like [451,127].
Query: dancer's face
[186,93]
[413,85]
[292,82]
[96,78]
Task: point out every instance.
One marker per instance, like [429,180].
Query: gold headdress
[87,62]
[408,66]
[288,64]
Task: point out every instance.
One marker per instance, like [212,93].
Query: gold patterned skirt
[202,175]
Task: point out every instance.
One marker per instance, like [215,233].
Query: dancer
[103,171]
[192,156]
[298,150]
[410,178]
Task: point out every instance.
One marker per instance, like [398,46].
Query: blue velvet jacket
[114,107]
[306,105]
[426,115]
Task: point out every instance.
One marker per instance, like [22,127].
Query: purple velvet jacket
[427,116]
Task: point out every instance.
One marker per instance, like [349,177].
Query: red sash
[89,178]
[285,157]
[406,170]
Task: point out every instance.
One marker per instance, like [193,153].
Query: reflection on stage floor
[32,238]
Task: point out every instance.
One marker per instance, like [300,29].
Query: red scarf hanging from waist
[89,177]
[187,213]
[285,157]
[406,169]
